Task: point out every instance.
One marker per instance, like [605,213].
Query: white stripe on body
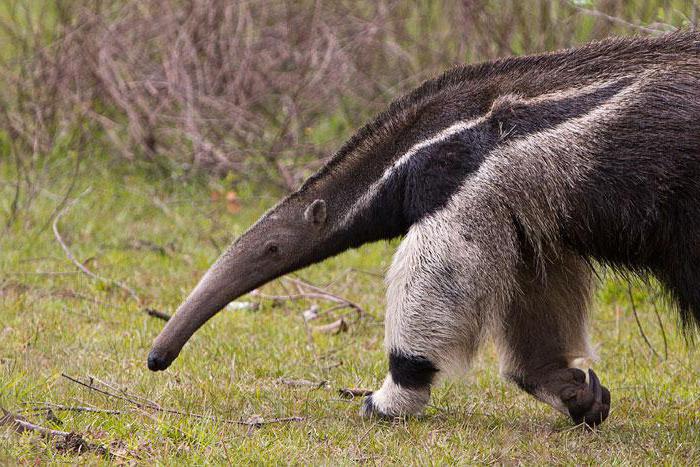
[456,128]
[443,135]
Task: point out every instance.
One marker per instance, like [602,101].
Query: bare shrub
[262,89]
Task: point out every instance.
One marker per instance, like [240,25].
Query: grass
[54,320]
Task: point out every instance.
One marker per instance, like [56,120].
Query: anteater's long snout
[208,298]
[225,281]
[158,361]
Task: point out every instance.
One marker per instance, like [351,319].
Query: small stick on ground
[122,391]
[157,314]
[351,393]
[71,408]
[336,327]
[298,296]
[661,325]
[302,383]
[326,295]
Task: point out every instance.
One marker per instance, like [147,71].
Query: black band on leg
[411,371]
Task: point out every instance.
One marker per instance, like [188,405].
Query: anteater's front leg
[429,329]
[424,341]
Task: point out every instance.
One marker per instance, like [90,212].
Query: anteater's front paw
[587,403]
[369,409]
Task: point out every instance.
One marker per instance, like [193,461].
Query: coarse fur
[507,180]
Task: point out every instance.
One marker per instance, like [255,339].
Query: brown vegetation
[263,90]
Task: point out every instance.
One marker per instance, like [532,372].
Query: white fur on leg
[393,400]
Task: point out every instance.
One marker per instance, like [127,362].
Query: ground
[158,237]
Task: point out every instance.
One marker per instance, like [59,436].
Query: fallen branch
[65,441]
[298,296]
[20,425]
[255,421]
[123,391]
[75,261]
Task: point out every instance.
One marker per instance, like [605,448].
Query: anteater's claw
[591,404]
[369,410]
[594,384]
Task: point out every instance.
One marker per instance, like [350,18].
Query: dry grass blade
[639,324]
[621,21]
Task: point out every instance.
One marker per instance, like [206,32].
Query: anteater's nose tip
[157,361]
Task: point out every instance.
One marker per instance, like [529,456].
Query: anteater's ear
[315,213]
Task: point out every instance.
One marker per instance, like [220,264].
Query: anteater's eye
[273,249]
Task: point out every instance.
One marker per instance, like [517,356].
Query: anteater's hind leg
[543,340]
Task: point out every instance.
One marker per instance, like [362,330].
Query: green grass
[67,323]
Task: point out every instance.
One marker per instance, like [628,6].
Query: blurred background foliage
[256,91]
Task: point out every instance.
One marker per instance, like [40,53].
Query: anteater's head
[290,236]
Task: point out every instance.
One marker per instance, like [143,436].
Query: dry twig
[352,393]
[71,408]
[661,325]
[336,327]
[157,314]
[302,383]
[319,292]
[82,268]
[149,405]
